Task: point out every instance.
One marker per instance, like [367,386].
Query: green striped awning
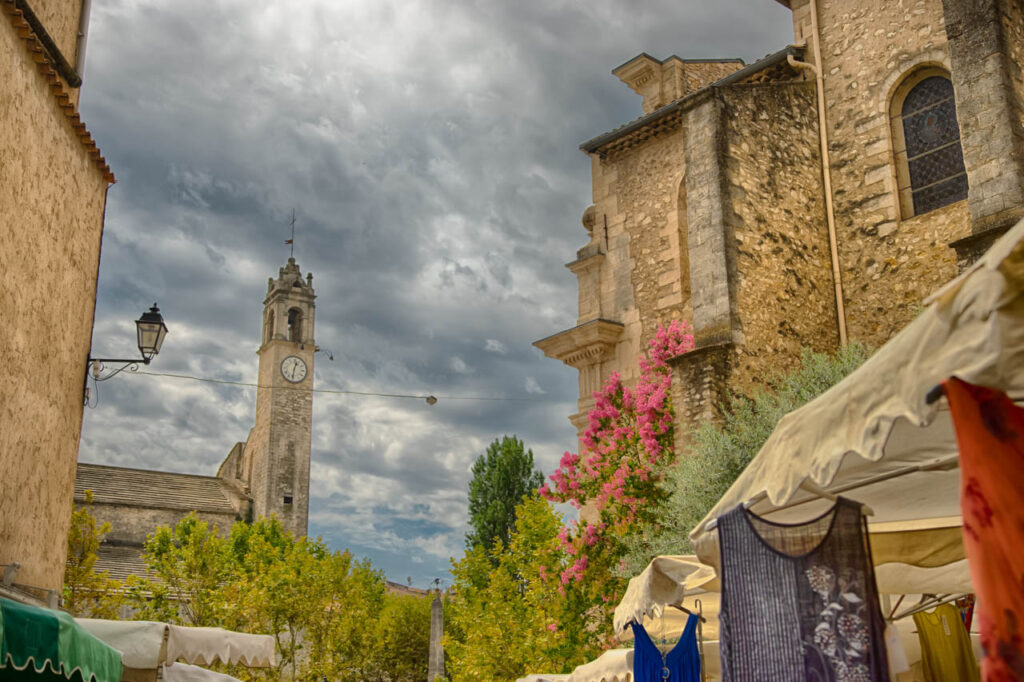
[40,644]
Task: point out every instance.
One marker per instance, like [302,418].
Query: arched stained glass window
[929,159]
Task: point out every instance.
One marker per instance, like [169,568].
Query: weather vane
[291,242]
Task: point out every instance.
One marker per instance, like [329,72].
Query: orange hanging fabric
[990,435]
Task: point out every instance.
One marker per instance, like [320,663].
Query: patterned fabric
[681,664]
[990,435]
[799,602]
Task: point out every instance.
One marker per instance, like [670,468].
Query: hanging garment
[799,602]
[946,651]
[681,664]
[990,435]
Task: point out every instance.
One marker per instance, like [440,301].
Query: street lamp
[151,332]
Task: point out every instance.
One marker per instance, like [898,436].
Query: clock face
[293,369]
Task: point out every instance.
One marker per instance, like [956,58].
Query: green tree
[328,611]
[501,478]
[189,561]
[402,646]
[88,592]
[720,451]
[509,612]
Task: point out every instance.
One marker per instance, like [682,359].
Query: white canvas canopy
[145,646]
[875,438]
[183,672]
[666,580]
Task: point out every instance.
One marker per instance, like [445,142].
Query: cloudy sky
[430,151]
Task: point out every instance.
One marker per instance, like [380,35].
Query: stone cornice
[583,345]
[587,262]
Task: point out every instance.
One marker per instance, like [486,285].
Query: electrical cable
[332,391]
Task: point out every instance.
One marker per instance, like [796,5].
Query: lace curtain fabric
[799,602]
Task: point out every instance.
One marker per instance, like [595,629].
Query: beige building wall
[52,195]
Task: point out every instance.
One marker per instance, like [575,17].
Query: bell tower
[277,452]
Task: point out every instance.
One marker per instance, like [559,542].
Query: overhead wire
[334,391]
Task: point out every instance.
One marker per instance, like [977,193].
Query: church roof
[669,115]
[152,489]
[120,561]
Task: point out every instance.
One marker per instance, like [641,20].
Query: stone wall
[1011,16]
[129,525]
[713,301]
[989,125]
[888,264]
[51,197]
[278,448]
[775,211]
[649,199]
[637,195]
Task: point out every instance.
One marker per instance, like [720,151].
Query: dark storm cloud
[429,149]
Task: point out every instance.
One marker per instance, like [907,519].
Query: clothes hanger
[700,615]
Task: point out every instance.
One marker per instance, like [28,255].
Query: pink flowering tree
[628,442]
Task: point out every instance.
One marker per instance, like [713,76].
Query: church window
[295,325]
[684,249]
[268,327]
[929,159]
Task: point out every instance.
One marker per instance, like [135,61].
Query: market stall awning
[666,580]
[39,643]
[543,678]
[615,665]
[147,645]
[875,438]
[183,672]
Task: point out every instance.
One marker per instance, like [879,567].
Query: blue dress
[681,664]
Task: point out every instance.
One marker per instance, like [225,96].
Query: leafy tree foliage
[88,592]
[509,614]
[328,611]
[191,561]
[501,478]
[720,451]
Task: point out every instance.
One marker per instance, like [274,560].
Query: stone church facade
[266,475]
[812,198]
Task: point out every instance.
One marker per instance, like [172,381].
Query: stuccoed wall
[61,19]
[889,264]
[51,199]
